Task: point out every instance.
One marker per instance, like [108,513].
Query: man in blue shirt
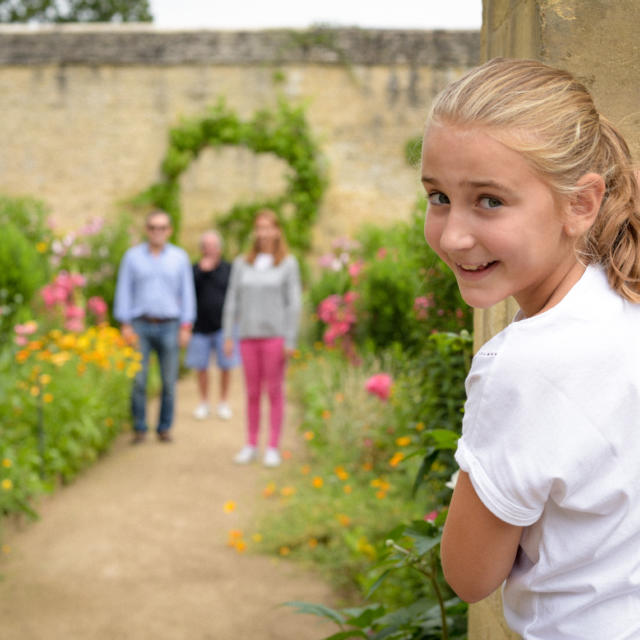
[155,304]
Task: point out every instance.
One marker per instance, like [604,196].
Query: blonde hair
[550,118]
[281,250]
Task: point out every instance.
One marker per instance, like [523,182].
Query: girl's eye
[438,198]
[487,202]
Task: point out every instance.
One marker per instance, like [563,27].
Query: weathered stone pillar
[597,41]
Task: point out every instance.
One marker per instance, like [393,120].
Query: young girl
[263,300]
[532,194]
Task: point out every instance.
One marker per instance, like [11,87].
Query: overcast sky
[261,14]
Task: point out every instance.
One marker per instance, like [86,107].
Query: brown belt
[153,320]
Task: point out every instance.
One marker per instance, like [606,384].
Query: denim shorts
[200,347]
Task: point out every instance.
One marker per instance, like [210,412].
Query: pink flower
[381,253]
[421,306]
[350,297]
[328,307]
[73,312]
[355,268]
[26,329]
[431,516]
[97,306]
[74,324]
[379,385]
[326,260]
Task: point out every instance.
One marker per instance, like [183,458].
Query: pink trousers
[263,363]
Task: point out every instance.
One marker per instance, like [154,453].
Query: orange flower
[381,494]
[287,455]
[285,551]
[305,470]
[269,490]
[287,491]
[318,482]
[309,435]
[313,543]
[343,519]
[347,489]
[240,546]
[403,441]
[396,459]
[229,506]
[234,536]
[367,466]
[326,414]
[341,472]
[339,397]
[6,549]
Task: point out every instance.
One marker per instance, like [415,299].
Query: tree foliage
[60,11]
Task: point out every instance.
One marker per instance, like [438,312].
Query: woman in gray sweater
[263,301]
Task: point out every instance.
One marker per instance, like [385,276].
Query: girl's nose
[456,233]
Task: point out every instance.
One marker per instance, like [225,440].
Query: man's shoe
[165,436]
[138,437]
[224,411]
[202,411]
[246,455]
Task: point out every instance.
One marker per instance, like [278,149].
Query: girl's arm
[478,549]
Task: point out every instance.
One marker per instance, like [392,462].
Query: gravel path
[136,548]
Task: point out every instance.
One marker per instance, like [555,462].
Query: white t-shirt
[551,441]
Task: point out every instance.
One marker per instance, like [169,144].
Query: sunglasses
[157,227]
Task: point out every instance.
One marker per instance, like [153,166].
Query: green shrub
[22,273]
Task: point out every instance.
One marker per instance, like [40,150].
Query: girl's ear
[584,204]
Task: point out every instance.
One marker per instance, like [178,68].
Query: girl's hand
[129,335]
[228,347]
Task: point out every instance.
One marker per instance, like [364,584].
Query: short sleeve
[518,441]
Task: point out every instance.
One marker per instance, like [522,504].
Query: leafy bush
[22,273]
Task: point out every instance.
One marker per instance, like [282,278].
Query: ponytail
[614,238]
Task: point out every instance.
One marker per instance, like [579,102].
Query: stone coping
[144,44]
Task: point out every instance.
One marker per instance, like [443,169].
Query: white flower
[452,481]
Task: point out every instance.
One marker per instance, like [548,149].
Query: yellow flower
[403,441]
[343,519]
[45,378]
[309,435]
[234,536]
[420,426]
[34,391]
[341,473]
[396,459]
[287,491]
[285,551]
[326,414]
[240,546]
[313,543]
[381,495]
[229,506]
[317,482]
[108,422]
[47,397]
[6,463]
[257,537]
[6,548]
[318,346]
[365,547]
[305,470]
[7,485]
[347,489]
[41,247]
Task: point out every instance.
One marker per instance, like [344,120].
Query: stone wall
[597,42]
[86,111]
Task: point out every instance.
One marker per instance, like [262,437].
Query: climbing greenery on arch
[284,132]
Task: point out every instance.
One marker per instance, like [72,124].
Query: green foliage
[413,151]
[283,132]
[63,399]
[22,273]
[75,11]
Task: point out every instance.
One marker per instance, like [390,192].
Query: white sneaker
[202,411]
[224,411]
[246,455]
[272,457]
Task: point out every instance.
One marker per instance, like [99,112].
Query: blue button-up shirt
[156,285]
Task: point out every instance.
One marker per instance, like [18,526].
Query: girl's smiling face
[494,221]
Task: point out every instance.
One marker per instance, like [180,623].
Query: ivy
[284,132]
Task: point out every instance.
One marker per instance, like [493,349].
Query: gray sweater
[263,303]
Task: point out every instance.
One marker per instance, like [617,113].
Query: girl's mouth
[475,268]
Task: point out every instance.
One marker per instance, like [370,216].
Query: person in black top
[211,278]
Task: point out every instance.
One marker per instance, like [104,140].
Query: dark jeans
[163,339]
